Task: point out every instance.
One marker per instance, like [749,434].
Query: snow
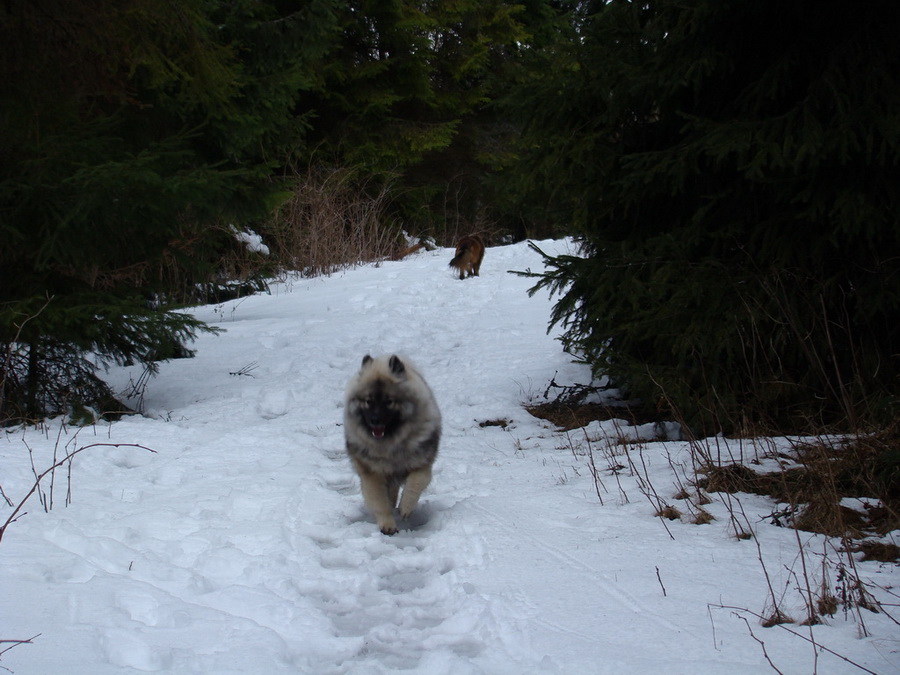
[251,241]
[229,535]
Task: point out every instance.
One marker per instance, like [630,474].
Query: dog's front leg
[416,483]
[375,493]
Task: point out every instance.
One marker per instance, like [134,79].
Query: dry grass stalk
[335,219]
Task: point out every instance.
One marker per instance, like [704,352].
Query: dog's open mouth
[378,431]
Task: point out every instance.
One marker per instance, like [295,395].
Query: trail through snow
[241,544]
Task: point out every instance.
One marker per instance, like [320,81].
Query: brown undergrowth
[568,416]
[844,488]
[569,408]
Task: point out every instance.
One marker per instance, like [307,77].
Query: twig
[762,644]
[59,434]
[595,472]
[15,643]
[812,614]
[799,635]
[246,370]
[15,514]
[778,617]
[646,487]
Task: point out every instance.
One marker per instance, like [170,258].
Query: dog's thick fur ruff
[469,254]
[392,427]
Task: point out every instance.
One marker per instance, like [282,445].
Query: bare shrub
[335,218]
[811,492]
[62,457]
[843,488]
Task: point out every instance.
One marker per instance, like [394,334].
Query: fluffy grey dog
[392,427]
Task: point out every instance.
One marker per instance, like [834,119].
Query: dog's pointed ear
[397,367]
[366,360]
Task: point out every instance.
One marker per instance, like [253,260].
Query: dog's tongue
[378,431]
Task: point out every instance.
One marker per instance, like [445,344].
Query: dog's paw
[387,525]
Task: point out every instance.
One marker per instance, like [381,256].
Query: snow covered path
[241,545]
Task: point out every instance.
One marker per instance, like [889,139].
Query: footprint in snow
[401,602]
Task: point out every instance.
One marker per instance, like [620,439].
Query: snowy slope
[241,545]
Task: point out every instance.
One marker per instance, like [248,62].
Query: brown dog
[469,254]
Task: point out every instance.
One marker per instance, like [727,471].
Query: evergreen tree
[405,96]
[134,135]
[732,170]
